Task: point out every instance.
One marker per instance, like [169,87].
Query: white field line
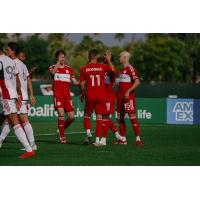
[48,134]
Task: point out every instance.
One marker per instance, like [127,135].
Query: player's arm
[33,69]
[19,101]
[30,90]
[82,90]
[54,69]
[133,87]
[75,81]
[108,57]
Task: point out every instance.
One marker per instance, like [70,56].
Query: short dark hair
[14,47]
[59,52]
[1,46]
[93,53]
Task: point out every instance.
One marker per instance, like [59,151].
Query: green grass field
[164,145]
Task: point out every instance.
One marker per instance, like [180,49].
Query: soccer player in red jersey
[126,103]
[110,104]
[62,75]
[93,89]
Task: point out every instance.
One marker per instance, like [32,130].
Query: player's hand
[126,95]
[108,55]
[32,101]
[18,103]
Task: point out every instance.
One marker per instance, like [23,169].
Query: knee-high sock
[122,125]
[67,123]
[5,130]
[61,128]
[87,123]
[105,127]
[21,136]
[112,126]
[29,132]
[135,125]
[98,127]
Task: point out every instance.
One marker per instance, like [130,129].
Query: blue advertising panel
[196,111]
[180,111]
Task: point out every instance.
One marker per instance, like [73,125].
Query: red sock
[61,123]
[98,127]
[67,123]
[112,126]
[86,122]
[122,127]
[135,125]
[105,127]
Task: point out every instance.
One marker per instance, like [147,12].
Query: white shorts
[24,108]
[9,106]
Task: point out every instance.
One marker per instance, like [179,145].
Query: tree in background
[4,38]
[38,54]
[120,37]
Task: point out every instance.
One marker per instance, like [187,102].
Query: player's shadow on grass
[56,142]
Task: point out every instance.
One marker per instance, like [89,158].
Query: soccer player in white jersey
[26,86]
[10,85]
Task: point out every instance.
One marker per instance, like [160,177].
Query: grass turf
[165,145]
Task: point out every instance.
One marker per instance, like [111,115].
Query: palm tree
[119,37]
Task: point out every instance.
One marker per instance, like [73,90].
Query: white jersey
[8,72]
[23,75]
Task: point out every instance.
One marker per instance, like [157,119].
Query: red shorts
[126,106]
[64,103]
[110,108]
[98,106]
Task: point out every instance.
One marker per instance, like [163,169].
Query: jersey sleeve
[82,75]
[133,73]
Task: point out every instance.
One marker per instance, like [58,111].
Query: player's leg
[89,107]
[100,109]
[111,110]
[28,129]
[121,122]
[24,120]
[4,131]
[105,126]
[59,103]
[61,125]
[69,108]
[134,121]
[10,110]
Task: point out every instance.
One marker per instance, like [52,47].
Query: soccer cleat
[87,141]
[27,155]
[139,143]
[96,144]
[63,140]
[121,142]
[34,148]
[101,143]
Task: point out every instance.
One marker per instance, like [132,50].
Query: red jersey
[109,83]
[93,75]
[127,77]
[62,79]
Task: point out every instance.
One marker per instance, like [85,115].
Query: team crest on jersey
[67,71]
[124,71]
[58,103]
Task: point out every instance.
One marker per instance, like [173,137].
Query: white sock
[21,136]
[5,130]
[137,138]
[88,133]
[123,138]
[118,136]
[29,133]
[103,140]
[97,140]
